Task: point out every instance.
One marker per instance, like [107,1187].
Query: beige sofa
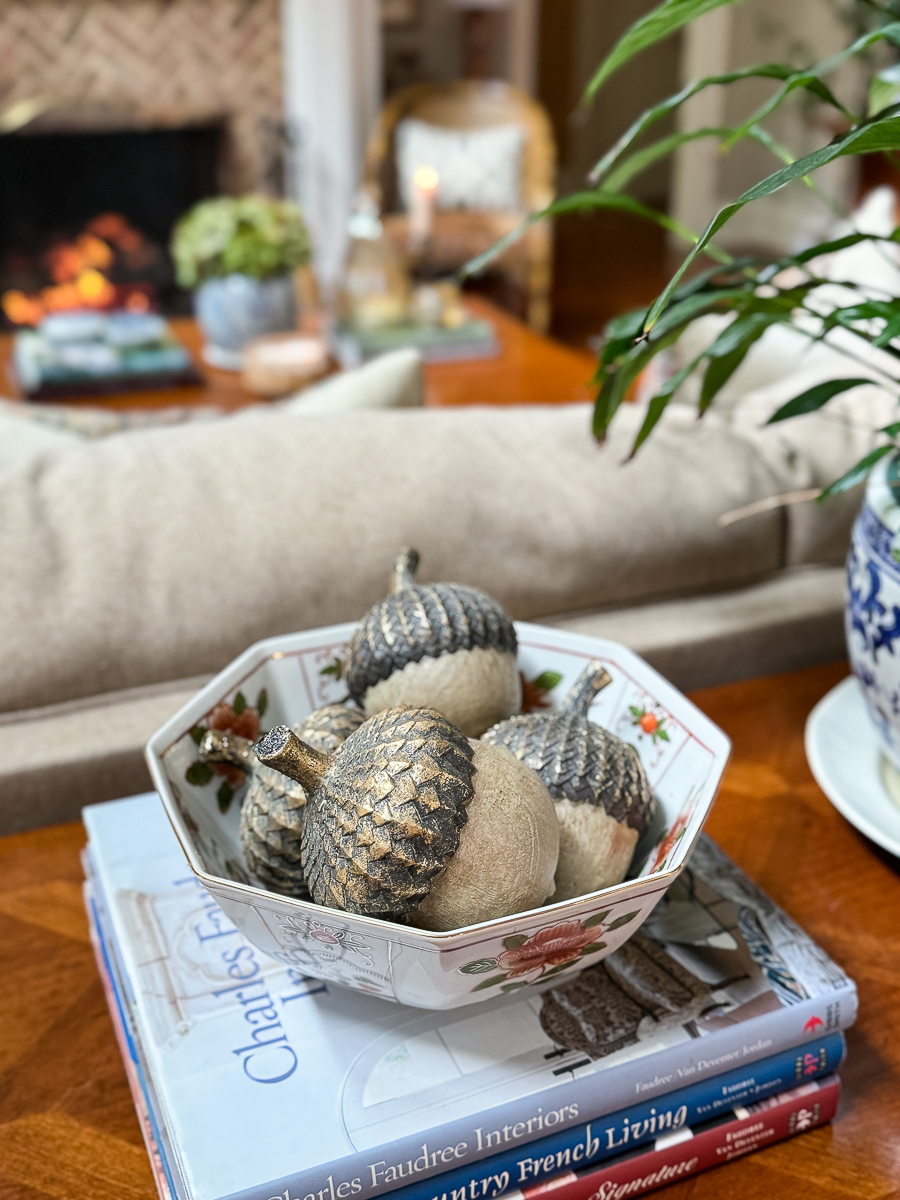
[138,564]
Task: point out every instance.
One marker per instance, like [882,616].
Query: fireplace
[128,113]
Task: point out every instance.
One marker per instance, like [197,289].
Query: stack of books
[714,1031]
[87,353]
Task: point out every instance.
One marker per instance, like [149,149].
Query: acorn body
[438,645]
[508,848]
[602,797]
[274,809]
[410,817]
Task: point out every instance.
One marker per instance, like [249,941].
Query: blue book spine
[593,1141]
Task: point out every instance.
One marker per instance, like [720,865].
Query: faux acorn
[601,793]
[438,645]
[410,817]
[274,809]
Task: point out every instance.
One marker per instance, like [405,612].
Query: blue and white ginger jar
[234,309]
[873,602]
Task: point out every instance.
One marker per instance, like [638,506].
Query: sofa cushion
[162,554]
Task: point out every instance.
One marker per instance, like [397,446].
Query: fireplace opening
[86,217]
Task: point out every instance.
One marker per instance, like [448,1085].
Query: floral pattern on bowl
[297,673]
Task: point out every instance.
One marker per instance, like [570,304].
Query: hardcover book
[669,1156]
[352,1096]
[672,1158]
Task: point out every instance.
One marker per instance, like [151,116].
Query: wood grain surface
[67,1127]
[530,369]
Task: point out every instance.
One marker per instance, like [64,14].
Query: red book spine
[671,1159]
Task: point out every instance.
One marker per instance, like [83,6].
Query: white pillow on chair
[477,168]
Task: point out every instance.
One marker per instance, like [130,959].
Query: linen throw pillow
[477,168]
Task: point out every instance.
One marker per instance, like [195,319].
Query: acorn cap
[385,809]
[419,621]
[578,760]
[325,728]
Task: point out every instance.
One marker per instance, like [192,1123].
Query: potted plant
[238,253]
[759,292]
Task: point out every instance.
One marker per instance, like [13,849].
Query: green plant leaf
[199,774]
[856,474]
[623,920]
[596,919]
[890,331]
[225,795]
[655,25]
[809,79]
[240,703]
[657,111]
[335,668]
[730,349]
[814,398]
[658,403]
[581,202]
[661,733]
[486,983]
[480,966]
[514,942]
[262,702]
[616,382]
[547,680]
[197,734]
[627,168]
[878,133]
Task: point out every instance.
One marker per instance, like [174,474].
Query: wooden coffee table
[530,369]
[67,1127]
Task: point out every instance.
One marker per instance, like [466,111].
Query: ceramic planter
[285,678]
[873,602]
[234,309]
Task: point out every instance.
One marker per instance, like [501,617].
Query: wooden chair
[460,234]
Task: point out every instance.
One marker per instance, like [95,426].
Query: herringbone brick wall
[165,61]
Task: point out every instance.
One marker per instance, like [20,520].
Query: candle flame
[426,178]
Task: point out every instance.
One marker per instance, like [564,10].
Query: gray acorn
[274,809]
[601,793]
[410,817]
[438,645]
[386,807]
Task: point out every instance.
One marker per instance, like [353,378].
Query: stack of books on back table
[715,1030]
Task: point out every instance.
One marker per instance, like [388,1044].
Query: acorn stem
[218,746]
[285,752]
[404,570]
[593,679]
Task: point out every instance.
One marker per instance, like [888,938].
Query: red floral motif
[245,724]
[322,935]
[547,948]
[668,842]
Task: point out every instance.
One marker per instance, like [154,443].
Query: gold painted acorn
[439,645]
[410,817]
[601,793]
[274,809]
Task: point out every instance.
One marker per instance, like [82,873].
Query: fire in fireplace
[86,217]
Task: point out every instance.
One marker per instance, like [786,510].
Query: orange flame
[78,270]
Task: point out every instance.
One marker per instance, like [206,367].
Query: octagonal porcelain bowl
[285,678]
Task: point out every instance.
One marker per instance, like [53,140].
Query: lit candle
[421,208]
